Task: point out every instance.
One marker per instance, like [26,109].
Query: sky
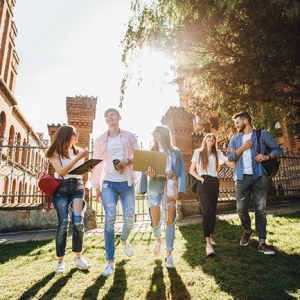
[69,48]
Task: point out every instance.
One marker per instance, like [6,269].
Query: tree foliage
[230,55]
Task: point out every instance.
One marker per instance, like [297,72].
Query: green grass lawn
[236,272]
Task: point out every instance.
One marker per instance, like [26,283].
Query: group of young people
[114,181]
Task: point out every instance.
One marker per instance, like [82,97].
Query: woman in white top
[65,156]
[204,167]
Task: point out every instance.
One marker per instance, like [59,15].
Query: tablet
[85,166]
[142,159]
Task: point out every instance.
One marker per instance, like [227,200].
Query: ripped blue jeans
[110,195]
[62,200]
[155,194]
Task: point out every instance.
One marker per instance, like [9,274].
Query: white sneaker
[212,242]
[127,249]
[108,269]
[210,250]
[169,261]
[60,267]
[156,247]
[82,263]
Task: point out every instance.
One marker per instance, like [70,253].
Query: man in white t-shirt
[114,178]
[251,177]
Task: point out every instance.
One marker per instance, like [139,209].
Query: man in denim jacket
[251,177]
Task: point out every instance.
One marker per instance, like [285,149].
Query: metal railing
[20,165]
[285,183]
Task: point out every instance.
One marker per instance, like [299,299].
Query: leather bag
[272,165]
[48,185]
[191,182]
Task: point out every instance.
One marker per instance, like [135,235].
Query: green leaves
[229,55]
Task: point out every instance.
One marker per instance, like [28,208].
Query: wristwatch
[268,156]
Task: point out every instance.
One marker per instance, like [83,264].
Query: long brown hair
[165,140]
[61,142]
[203,156]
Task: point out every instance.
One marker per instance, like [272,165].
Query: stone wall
[28,217]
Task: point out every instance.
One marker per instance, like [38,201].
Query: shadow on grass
[115,292]
[145,236]
[157,288]
[119,286]
[243,272]
[35,288]
[178,288]
[14,250]
[53,291]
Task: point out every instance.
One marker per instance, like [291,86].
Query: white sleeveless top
[66,161]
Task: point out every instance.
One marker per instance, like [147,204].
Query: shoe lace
[263,246]
[127,246]
[109,267]
[83,259]
[169,259]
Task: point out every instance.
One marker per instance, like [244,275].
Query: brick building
[22,149]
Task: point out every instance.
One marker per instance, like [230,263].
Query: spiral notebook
[142,159]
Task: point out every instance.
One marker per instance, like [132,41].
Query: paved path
[24,236]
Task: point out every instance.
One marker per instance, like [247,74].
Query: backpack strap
[258,134]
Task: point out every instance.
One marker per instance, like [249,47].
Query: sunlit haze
[72,47]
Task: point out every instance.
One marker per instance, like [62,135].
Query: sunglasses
[76,134]
[155,131]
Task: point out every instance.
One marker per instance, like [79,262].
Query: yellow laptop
[142,159]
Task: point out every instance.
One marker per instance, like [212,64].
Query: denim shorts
[156,187]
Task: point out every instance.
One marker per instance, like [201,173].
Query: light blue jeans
[62,200]
[110,194]
[155,194]
[259,189]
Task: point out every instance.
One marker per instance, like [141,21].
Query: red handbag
[48,185]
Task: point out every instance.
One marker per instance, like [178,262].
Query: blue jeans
[62,200]
[110,194]
[259,189]
[155,193]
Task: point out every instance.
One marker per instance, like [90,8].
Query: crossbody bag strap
[258,134]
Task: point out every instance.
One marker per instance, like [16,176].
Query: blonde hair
[111,110]
[165,141]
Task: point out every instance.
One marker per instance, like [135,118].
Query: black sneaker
[245,238]
[263,248]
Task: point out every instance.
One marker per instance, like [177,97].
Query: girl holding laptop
[162,191]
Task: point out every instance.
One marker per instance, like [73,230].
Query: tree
[229,55]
